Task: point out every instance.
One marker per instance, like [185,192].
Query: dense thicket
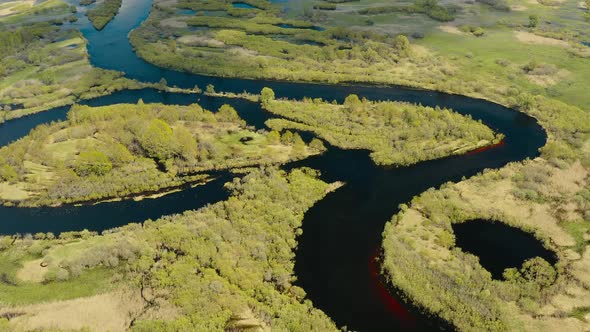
[427,7]
[396,133]
[228,266]
[234,259]
[103,13]
[264,44]
[123,149]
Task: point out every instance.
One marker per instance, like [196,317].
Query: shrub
[92,163]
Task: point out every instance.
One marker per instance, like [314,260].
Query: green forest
[103,13]
[396,133]
[223,267]
[119,150]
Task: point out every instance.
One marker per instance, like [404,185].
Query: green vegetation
[421,259]
[396,133]
[428,7]
[265,44]
[103,13]
[228,265]
[440,57]
[43,66]
[121,150]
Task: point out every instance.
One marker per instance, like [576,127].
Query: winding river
[341,232]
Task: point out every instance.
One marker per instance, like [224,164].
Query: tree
[298,142]
[185,143]
[7,173]
[157,140]
[163,83]
[353,103]
[266,95]
[539,271]
[533,21]
[273,137]
[402,44]
[287,137]
[92,163]
[317,145]
[227,113]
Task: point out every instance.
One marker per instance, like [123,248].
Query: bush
[92,163]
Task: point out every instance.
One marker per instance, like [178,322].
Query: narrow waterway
[341,232]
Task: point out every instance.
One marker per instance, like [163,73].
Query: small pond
[498,245]
[291,26]
[186,12]
[243,5]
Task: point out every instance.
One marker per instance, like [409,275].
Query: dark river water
[342,232]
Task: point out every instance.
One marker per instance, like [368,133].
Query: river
[341,232]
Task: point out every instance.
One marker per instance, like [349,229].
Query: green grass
[579,313]
[88,283]
[476,59]
[16,292]
[577,229]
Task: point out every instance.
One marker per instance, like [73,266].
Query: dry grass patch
[8,7]
[498,196]
[13,192]
[569,180]
[518,8]
[167,3]
[530,38]
[451,29]
[111,312]
[174,22]
[32,271]
[581,269]
[203,41]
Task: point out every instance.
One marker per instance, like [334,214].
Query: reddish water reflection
[486,148]
[390,303]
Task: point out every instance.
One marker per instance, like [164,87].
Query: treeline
[431,8]
[119,150]
[103,13]
[497,4]
[396,133]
